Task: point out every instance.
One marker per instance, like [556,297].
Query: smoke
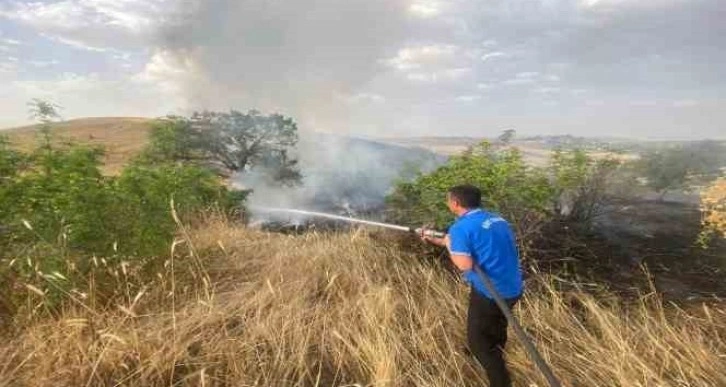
[305,59]
[341,175]
[302,58]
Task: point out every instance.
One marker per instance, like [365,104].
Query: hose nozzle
[429,233]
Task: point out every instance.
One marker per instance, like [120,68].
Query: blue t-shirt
[489,240]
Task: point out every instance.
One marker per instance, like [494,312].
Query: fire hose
[529,346]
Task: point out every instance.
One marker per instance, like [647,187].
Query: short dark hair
[468,196]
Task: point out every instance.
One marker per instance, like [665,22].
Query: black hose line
[521,334]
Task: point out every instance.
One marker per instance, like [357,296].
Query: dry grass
[122,137]
[247,308]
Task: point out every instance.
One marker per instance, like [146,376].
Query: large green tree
[230,142]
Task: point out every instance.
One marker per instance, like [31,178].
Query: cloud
[43,63]
[367,98]
[547,90]
[492,55]
[10,42]
[417,57]
[468,98]
[91,24]
[326,62]
[126,96]
[426,8]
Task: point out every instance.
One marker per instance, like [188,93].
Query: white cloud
[426,8]
[43,63]
[10,42]
[8,67]
[547,90]
[432,63]
[109,97]
[74,43]
[468,98]
[367,98]
[168,72]
[552,78]
[527,75]
[412,58]
[443,75]
[91,24]
[518,81]
[492,55]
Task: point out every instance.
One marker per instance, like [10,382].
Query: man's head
[463,198]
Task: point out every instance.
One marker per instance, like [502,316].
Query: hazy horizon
[379,68]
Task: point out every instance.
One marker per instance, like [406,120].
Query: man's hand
[426,236]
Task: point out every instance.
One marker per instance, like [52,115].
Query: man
[480,238]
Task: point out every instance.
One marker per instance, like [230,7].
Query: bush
[145,193]
[582,186]
[520,193]
[683,166]
[59,212]
[713,209]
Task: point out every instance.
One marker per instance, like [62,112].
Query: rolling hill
[121,137]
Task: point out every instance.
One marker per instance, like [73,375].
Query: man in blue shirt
[484,239]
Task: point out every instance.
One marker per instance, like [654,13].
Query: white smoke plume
[304,59]
[301,58]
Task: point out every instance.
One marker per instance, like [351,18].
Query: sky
[378,68]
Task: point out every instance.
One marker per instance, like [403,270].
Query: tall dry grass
[246,308]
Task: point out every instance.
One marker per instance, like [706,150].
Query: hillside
[121,137]
[253,308]
[535,150]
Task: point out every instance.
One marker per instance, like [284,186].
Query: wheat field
[240,307]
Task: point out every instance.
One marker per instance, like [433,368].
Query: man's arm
[459,251]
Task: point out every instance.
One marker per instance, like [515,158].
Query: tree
[45,113]
[173,140]
[230,143]
[235,142]
[506,137]
[682,166]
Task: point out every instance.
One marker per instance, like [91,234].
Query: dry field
[122,138]
[239,307]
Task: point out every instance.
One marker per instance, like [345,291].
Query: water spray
[419,231]
[488,284]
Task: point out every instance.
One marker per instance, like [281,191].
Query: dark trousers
[487,335]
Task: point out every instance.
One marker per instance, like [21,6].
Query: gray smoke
[300,58]
[304,59]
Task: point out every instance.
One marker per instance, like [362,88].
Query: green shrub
[583,186]
[145,194]
[508,185]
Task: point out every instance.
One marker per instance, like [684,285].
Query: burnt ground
[638,245]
